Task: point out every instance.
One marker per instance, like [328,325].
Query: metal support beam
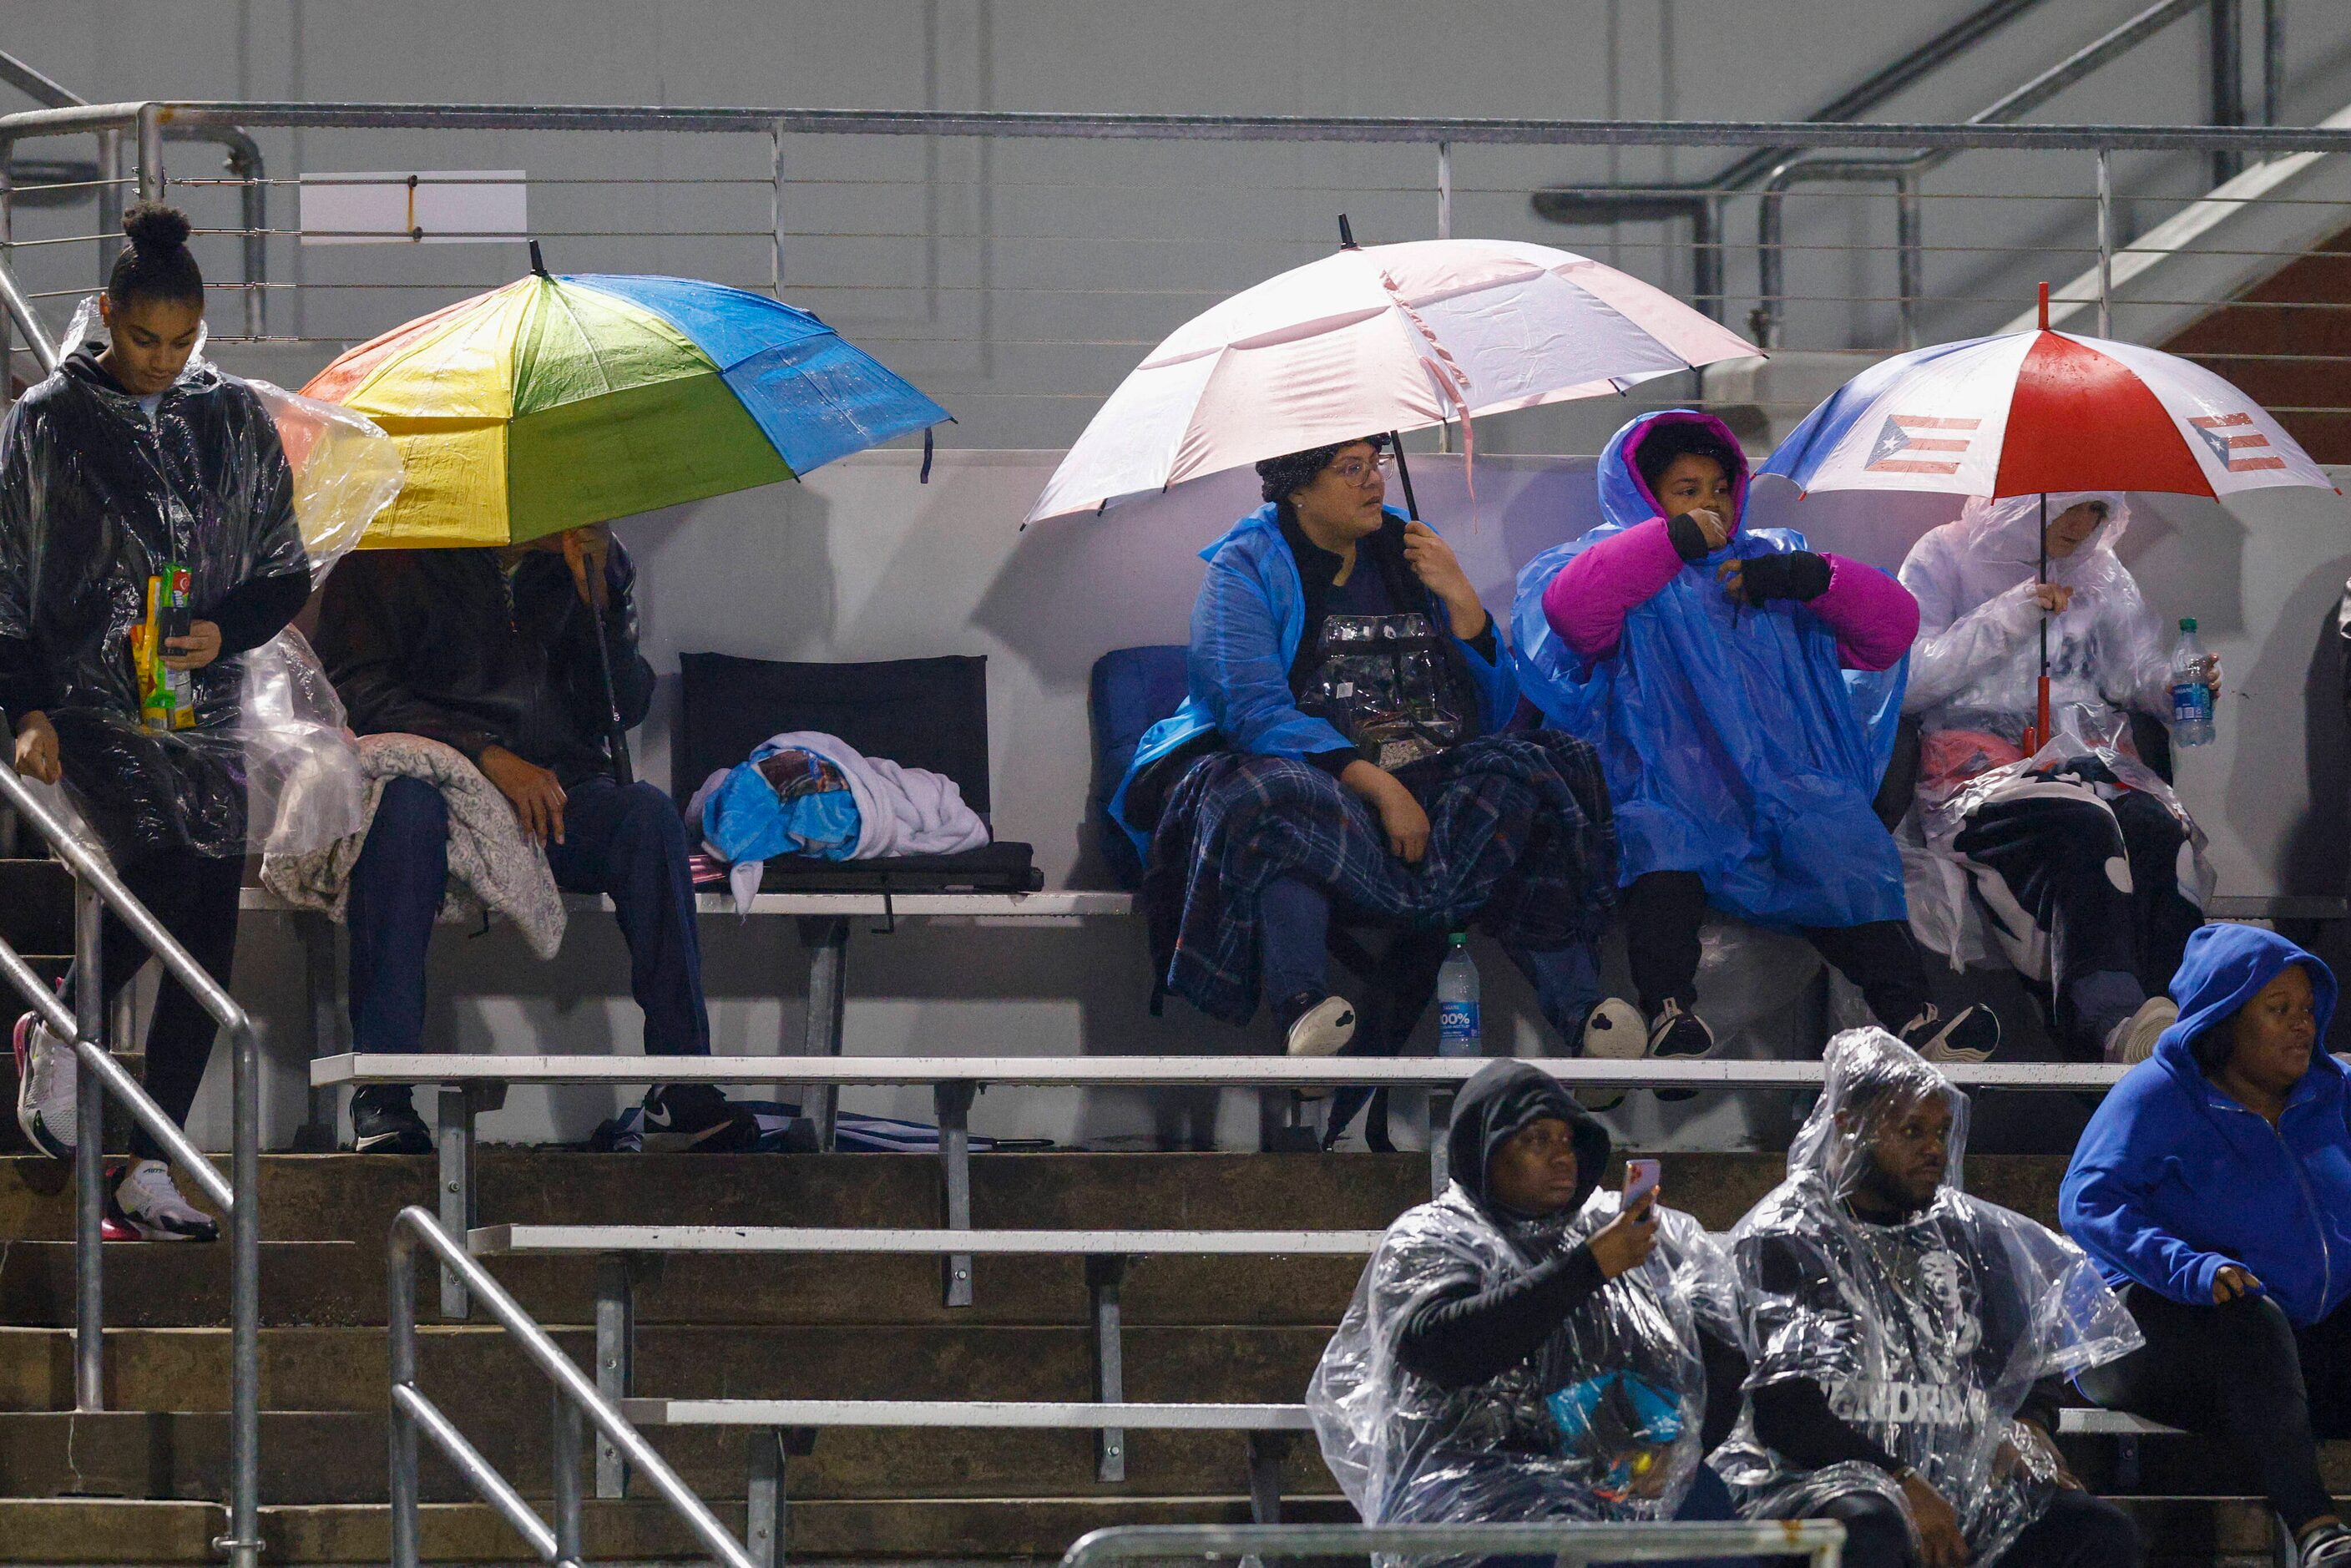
[1266,1450]
[2225,58]
[1910,255]
[2105,246]
[321,1133]
[2274,62]
[953,1103]
[826,937]
[89,1158]
[565,1459]
[1105,1276]
[454,1110]
[616,1355]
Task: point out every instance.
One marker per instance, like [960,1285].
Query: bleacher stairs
[135,1484]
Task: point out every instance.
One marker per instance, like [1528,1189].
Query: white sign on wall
[451,206]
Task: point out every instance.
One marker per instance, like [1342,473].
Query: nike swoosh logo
[660,1117]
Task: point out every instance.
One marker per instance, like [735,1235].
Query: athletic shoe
[1613,1033]
[1315,1023]
[1678,1034]
[1970,1036]
[695,1117]
[148,1203]
[45,1076]
[2132,1040]
[2328,1546]
[388,1123]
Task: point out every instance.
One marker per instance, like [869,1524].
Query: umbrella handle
[2037,734]
[597,593]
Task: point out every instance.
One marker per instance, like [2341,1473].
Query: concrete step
[183,1284]
[2177,1532]
[477,1371]
[352,1197]
[336,1456]
[635,1530]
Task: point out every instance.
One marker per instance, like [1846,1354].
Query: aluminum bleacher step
[494,1240]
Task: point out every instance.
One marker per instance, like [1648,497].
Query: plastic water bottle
[2191,699]
[1457,1002]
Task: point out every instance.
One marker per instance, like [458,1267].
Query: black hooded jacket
[447,644]
[94,496]
[1467,1335]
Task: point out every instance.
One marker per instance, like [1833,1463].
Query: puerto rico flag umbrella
[2030,412]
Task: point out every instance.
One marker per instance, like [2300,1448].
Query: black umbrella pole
[622,773]
[1404,472]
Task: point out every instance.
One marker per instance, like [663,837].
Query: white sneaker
[148,1201]
[1324,1028]
[47,1073]
[2132,1040]
[1613,1032]
[1967,1037]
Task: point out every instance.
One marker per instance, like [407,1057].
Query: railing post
[1706,257]
[109,201]
[2225,57]
[1910,259]
[776,209]
[151,152]
[245,1298]
[2106,246]
[90,1157]
[616,1339]
[1770,268]
[567,1460]
[1445,190]
[7,265]
[401,1316]
[2273,62]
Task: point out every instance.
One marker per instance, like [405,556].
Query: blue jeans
[628,844]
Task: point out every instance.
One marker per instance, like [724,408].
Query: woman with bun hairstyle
[134,464]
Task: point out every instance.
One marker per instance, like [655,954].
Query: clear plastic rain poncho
[238,481]
[1926,1335]
[1975,673]
[1601,1422]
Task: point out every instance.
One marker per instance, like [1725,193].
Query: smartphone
[1640,1180]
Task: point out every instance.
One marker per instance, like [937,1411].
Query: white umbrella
[1384,338]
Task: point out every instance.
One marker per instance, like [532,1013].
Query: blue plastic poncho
[1246,626]
[1735,746]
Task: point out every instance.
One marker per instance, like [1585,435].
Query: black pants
[2110,946]
[2076,1531]
[2240,1372]
[1664,909]
[195,897]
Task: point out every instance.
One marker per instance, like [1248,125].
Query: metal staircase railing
[576,1397]
[96,893]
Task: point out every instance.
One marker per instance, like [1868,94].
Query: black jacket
[447,644]
[93,497]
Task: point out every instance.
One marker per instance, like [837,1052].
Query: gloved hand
[1800,575]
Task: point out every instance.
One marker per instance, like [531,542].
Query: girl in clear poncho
[1519,1350]
[2079,865]
[1907,1340]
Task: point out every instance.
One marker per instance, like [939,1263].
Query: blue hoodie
[2173,1179]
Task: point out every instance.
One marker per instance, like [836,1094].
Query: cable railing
[576,1399]
[98,893]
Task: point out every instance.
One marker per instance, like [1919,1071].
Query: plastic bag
[1976,666]
[1926,1335]
[236,481]
[1736,744]
[1601,1423]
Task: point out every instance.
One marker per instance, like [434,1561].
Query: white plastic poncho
[1926,1335]
[1603,1422]
[1977,664]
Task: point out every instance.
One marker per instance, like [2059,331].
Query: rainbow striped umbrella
[557,401]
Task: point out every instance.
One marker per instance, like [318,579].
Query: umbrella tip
[538,265]
[2044,307]
[1346,234]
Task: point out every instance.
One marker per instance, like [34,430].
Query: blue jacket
[1247,626]
[2173,1179]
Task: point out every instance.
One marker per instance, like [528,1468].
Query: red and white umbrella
[1381,338]
[2031,412]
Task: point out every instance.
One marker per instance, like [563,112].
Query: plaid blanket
[1521,844]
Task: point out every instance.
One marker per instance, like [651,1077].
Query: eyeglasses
[1361,470]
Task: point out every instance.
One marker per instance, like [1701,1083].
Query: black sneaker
[1676,1034]
[387,1125]
[682,1117]
[1969,1035]
[2328,1546]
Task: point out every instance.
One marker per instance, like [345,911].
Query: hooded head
[2224,969]
[1887,1126]
[2008,532]
[1503,1100]
[1639,456]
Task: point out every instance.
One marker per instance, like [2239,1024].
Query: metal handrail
[97,891]
[575,1396]
[1571,1545]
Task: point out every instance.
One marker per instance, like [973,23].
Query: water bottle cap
[1458,939]
[2188,623]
